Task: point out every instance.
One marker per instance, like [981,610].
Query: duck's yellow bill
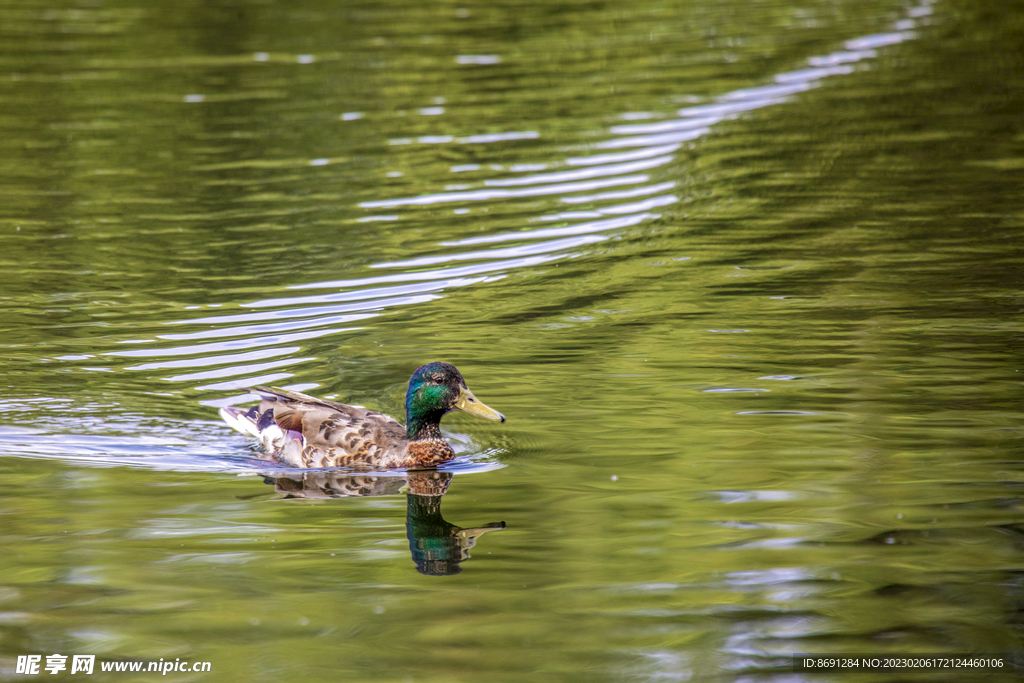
[468,403]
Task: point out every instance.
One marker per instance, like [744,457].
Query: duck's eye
[439,380]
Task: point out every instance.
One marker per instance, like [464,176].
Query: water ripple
[577,229]
[235,370]
[281,327]
[487,195]
[216,360]
[620,180]
[588,171]
[372,303]
[225,346]
[537,248]
[462,271]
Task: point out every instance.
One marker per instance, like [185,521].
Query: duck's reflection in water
[438,547]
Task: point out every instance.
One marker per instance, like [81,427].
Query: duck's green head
[436,389]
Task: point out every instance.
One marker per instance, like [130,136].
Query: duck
[308,432]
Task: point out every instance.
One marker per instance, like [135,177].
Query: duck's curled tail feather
[259,422]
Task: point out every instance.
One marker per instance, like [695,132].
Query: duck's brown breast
[428,453]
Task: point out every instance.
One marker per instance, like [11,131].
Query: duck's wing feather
[335,426]
[296,396]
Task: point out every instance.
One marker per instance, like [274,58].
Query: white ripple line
[225,346]
[483,195]
[410,277]
[275,327]
[584,172]
[235,370]
[537,248]
[578,229]
[216,360]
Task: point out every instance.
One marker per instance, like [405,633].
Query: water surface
[745,278]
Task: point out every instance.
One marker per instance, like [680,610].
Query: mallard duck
[312,432]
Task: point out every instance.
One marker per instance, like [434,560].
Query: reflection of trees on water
[438,547]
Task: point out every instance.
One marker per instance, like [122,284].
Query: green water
[745,277]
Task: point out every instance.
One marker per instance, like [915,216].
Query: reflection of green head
[434,389]
[433,541]
[438,547]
